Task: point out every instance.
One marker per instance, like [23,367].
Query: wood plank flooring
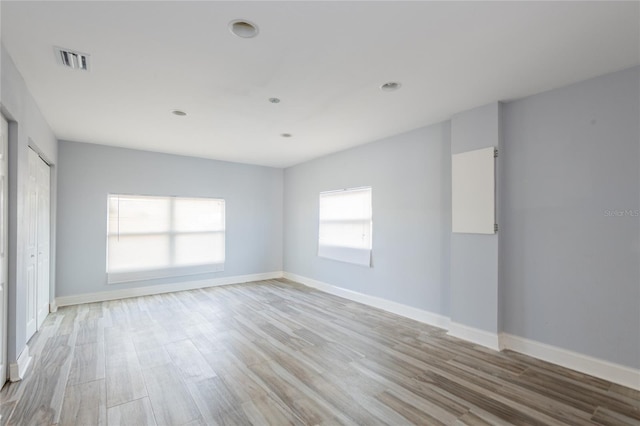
[277,353]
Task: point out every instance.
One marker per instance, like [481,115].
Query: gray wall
[410,176]
[570,272]
[89,172]
[566,272]
[474,257]
[27,127]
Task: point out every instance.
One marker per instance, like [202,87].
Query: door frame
[4,249]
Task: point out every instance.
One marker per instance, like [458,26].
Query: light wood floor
[278,353]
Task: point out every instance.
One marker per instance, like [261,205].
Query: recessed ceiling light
[286,135]
[274,100]
[390,86]
[178,113]
[242,28]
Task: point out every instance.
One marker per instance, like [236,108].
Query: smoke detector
[72,59]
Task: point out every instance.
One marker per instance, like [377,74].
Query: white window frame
[345,252]
[123,276]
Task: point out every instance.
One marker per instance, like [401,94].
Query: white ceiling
[324,60]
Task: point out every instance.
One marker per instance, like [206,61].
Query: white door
[43,229]
[37,216]
[4,210]
[31,249]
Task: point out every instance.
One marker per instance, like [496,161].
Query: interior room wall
[27,127]
[568,196]
[569,218]
[474,257]
[569,235]
[410,176]
[253,198]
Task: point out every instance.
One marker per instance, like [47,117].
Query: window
[156,237]
[345,226]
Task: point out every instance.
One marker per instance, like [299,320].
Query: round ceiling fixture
[178,113]
[243,28]
[274,100]
[286,135]
[390,86]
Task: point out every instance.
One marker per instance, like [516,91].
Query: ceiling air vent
[72,59]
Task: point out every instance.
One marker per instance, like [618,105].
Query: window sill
[130,276]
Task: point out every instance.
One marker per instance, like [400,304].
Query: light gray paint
[570,273]
[88,172]
[27,127]
[474,257]
[410,176]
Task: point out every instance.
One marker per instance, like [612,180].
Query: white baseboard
[53,307]
[163,288]
[426,317]
[474,335]
[18,369]
[616,373]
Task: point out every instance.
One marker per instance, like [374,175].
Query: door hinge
[495,227]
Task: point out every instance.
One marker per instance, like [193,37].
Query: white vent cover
[72,59]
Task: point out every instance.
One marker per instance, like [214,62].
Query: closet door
[4,212]
[37,217]
[43,229]
[31,248]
